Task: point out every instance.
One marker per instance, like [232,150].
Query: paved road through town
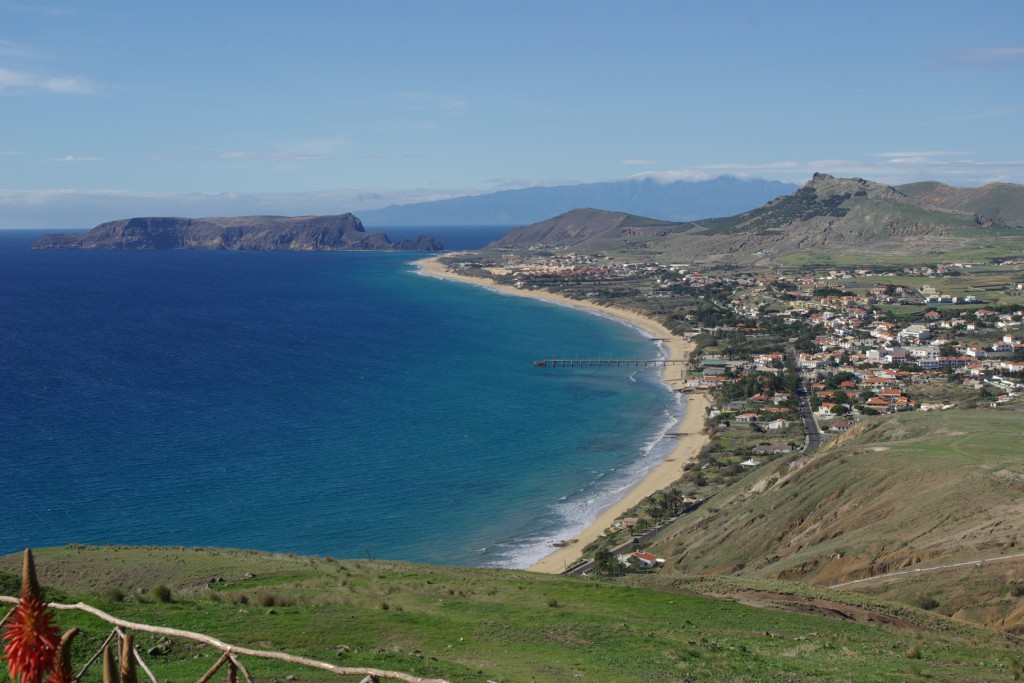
[806,414]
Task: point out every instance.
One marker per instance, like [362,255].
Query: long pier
[606,362]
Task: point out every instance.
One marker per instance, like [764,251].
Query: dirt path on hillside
[818,606]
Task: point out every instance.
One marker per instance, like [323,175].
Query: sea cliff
[255,233]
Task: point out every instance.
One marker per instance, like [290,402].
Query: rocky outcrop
[421,243]
[254,233]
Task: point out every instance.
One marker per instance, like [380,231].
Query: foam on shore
[660,464]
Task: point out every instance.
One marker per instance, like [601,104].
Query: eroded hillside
[915,491]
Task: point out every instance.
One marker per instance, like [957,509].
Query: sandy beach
[670,470]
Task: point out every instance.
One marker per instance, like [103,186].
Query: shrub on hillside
[161,593]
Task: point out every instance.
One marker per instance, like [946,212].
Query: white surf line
[921,570]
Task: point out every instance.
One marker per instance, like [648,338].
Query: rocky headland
[255,233]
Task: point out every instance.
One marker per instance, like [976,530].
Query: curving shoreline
[662,476]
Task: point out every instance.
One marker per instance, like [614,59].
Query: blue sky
[195,108]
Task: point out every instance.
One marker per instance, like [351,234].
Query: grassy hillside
[478,625]
[915,491]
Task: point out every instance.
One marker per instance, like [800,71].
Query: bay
[322,403]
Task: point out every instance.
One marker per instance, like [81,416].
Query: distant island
[253,233]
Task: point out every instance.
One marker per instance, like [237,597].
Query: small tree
[606,563]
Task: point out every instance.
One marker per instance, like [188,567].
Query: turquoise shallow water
[326,403]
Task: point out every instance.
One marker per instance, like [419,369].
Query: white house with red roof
[643,559]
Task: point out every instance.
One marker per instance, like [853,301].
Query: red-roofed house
[878,403]
[644,560]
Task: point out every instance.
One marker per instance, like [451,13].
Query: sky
[112,108]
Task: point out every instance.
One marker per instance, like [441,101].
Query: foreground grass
[479,624]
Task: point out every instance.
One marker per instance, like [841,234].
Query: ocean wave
[571,515]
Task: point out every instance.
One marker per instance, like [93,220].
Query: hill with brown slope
[588,228]
[915,491]
[570,228]
[845,216]
[999,202]
[849,219]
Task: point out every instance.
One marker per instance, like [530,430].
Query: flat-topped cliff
[255,233]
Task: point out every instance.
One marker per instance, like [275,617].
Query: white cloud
[271,156]
[9,78]
[316,149]
[917,158]
[15,80]
[421,100]
[765,166]
[72,85]
[690,175]
[984,57]
[920,161]
[990,113]
[914,154]
[893,168]
[520,183]
[9,48]
[70,157]
[34,8]
[322,146]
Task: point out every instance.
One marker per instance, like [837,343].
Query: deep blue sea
[322,403]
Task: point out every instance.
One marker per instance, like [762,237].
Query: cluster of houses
[881,359]
[565,265]
[853,335]
[922,344]
[886,389]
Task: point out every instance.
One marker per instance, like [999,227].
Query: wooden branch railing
[231,652]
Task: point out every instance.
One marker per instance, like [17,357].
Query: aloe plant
[30,636]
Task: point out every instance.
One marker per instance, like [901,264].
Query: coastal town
[791,358]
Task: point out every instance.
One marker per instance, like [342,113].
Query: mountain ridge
[677,200]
